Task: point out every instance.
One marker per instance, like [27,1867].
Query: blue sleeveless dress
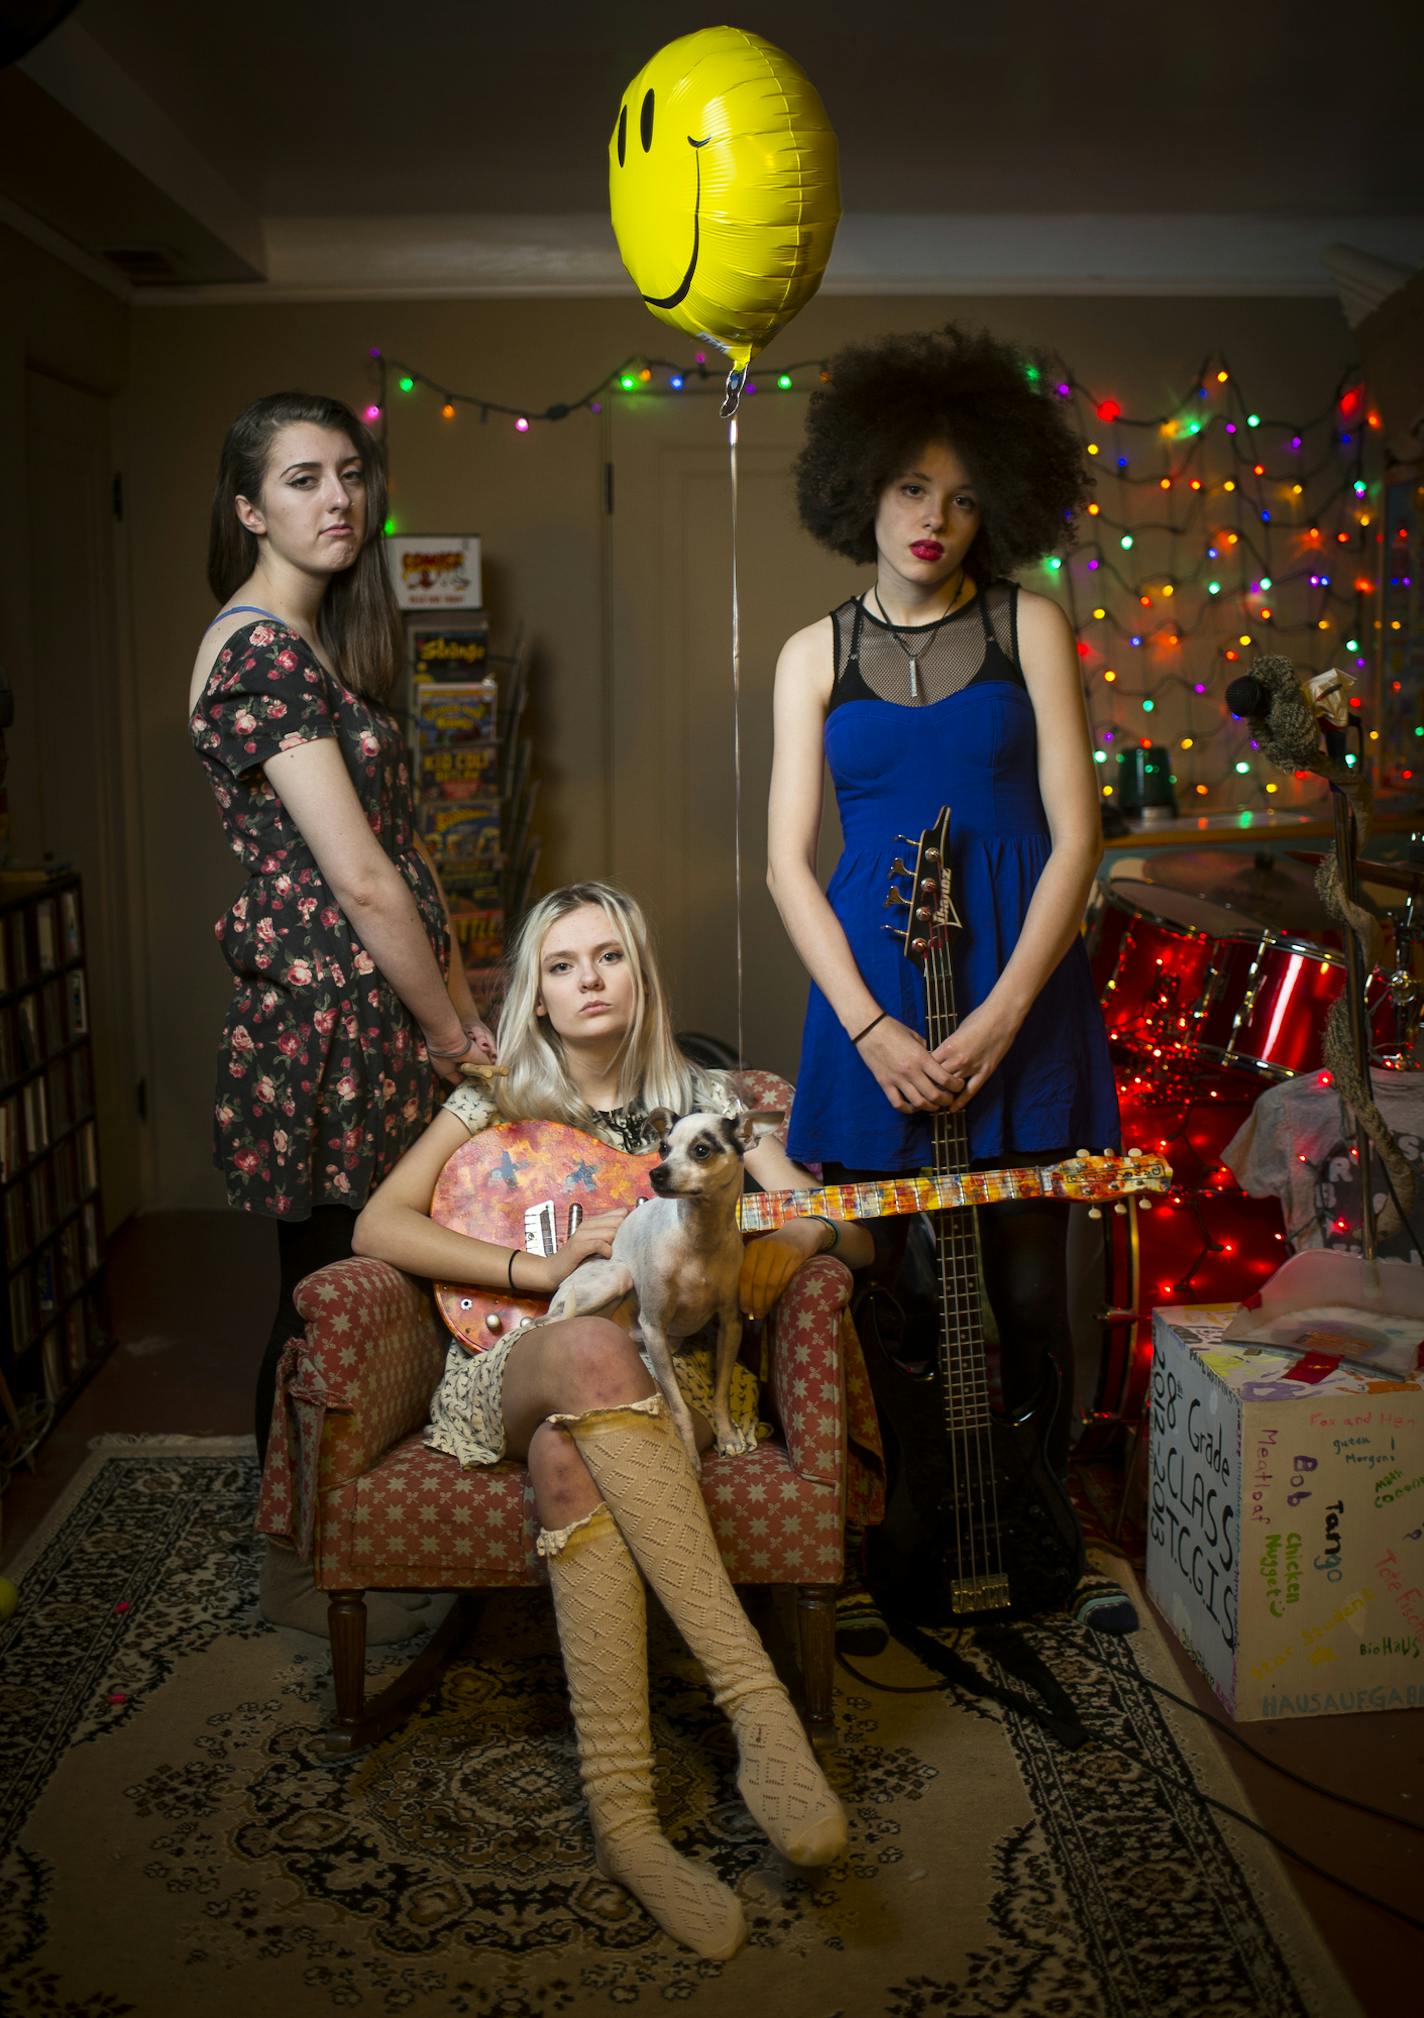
[893,767]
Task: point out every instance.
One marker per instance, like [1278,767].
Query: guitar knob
[1144,1204]
[1120,1209]
[494,1322]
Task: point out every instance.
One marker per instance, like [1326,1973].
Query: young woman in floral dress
[349,1000]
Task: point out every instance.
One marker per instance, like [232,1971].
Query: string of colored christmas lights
[1240,565]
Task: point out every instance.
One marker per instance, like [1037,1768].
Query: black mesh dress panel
[979,641]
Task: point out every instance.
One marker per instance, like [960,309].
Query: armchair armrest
[808,1369]
[357,1381]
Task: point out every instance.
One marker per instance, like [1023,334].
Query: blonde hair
[536,1084]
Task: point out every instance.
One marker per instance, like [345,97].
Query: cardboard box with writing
[1285,1518]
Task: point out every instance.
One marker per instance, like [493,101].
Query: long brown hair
[360,622]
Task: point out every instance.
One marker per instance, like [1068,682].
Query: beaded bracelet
[463,1051]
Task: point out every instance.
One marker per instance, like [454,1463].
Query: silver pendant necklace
[915,655]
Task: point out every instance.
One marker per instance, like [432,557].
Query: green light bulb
[1147,707]
[1213,588]
[1243,769]
[785,382]
[1125,541]
[407,385]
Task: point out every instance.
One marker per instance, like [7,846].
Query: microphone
[1248,698]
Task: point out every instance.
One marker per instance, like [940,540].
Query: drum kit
[1216,972]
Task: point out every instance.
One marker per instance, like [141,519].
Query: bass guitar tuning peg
[898,868]
[893,898]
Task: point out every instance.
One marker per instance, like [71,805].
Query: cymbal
[1382,880]
[1262,889]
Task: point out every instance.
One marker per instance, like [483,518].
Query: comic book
[447,652]
[465,711]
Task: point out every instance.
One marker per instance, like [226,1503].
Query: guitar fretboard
[762,1212]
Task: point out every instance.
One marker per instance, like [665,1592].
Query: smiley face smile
[679,293]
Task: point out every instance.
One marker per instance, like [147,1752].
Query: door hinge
[608,487]
[118,494]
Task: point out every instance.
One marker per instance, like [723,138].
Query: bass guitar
[977,1527]
[529,1183]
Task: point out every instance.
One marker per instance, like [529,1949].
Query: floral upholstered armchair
[351,1485]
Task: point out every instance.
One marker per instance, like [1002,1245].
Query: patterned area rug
[172,1841]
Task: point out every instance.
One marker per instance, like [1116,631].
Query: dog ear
[661,1123]
[752,1123]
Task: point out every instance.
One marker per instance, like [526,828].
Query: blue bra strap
[242,609]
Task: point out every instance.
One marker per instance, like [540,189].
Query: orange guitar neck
[887,1198]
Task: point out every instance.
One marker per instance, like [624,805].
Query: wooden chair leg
[359,1722]
[346,1617]
[816,1622]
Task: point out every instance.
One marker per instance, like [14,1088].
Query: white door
[673,779]
[67,747]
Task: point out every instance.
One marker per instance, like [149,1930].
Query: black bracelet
[835,1230]
[514,1253]
[870,1026]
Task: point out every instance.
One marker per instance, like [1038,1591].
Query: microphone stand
[1346,857]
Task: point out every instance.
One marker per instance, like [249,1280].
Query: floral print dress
[323,1076]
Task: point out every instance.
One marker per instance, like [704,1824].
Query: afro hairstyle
[885,400]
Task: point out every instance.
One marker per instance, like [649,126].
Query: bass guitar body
[975,1530]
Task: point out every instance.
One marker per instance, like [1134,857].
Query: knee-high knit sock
[599,1605]
[641,1468]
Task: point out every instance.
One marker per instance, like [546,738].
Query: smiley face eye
[645,121]
[622,135]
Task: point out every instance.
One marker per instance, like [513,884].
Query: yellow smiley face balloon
[723,185]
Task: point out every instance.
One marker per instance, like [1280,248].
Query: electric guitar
[977,1526]
[527,1184]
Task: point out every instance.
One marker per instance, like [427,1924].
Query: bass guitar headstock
[929,910]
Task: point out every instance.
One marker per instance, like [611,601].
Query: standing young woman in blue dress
[937,460]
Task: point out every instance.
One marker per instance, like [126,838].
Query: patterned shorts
[466,1410]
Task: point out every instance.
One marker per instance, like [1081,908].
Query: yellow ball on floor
[9,1597]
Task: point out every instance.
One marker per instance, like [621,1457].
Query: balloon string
[736,729]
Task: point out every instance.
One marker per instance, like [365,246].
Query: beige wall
[536,501]
[54,321]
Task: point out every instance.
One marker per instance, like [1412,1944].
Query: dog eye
[665,1149]
[702,1152]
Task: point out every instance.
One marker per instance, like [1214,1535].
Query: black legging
[302,1246]
[1023,1246]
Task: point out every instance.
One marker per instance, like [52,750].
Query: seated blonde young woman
[586,1039]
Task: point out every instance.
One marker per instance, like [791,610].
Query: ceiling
[1270,120]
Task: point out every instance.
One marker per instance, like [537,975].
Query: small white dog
[679,1257]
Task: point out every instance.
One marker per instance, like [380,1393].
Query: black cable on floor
[1287,1772]
[1130,1671]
